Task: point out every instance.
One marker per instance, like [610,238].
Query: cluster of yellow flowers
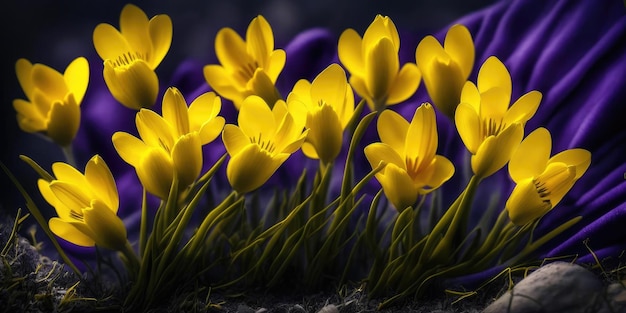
[313,117]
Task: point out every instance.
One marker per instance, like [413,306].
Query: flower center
[246,72]
[491,127]
[127,58]
[555,181]
[267,145]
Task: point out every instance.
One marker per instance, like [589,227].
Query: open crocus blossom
[264,139]
[446,68]
[488,127]
[374,66]
[409,151]
[132,54]
[171,145]
[542,181]
[248,67]
[327,104]
[86,205]
[53,105]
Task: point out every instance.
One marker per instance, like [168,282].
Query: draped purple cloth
[574,52]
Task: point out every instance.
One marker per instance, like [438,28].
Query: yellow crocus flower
[446,68]
[248,67]
[488,127]
[542,181]
[374,67]
[86,205]
[53,99]
[171,145]
[409,151]
[264,139]
[132,54]
[327,104]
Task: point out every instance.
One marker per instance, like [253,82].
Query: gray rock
[556,287]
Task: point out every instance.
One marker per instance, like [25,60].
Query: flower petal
[579,158]
[468,125]
[524,204]
[187,158]
[252,167]
[398,186]
[392,130]
[459,45]
[129,148]
[160,29]
[234,139]
[175,111]
[256,120]
[380,152]
[531,157]
[108,229]
[76,78]
[64,121]
[349,51]
[70,233]
[407,81]
[493,74]
[101,180]
[135,86]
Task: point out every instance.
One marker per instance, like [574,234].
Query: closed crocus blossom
[446,68]
[86,205]
[374,66]
[264,139]
[489,128]
[171,145]
[248,67]
[53,99]
[327,104]
[132,54]
[409,151]
[542,181]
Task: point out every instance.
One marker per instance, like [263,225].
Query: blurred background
[56,32]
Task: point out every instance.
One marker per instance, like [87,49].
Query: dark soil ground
[30,282]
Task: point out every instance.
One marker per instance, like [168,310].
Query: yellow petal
[524,108]
[102,182]
[134,27]
[256,120]
[381,27]
[494,104]
[187,158]
[325,133]
[442,170]
[524,204]
[154,130]
[48,195]
[460,46]
[580,159]
[261,85]
[175,111]
[23,70]
[555,182]
[202,109]
[493,74]
[496,151]
[309,150]
[398,186]
[427,50]
[156,172]
[234,139]
[471,96]
[360,87]
[66,172]
[129,148]
[276,64]
[77,78]
[108,229]
[468,125]
[290,136]
[64,120]
[211,130]
[49,81]
[259,39]
[329,86]
[382,66]
[29,117]
[405,85]
[222,82]
[380,152]
[135,86]
[160,29]
[350,53]
[70,233]
[230,50]
[252,167]
[531,156]
[109,43]
[392,129]
[75,197]
[421,138]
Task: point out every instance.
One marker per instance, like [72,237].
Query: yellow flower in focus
[542,181]
[172,144]
[488,127]
[263,140]
[248,67]
[86,205]
[53,99]
[446,68]
[409,151]
[132,54]
[374,67]
[327,104]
